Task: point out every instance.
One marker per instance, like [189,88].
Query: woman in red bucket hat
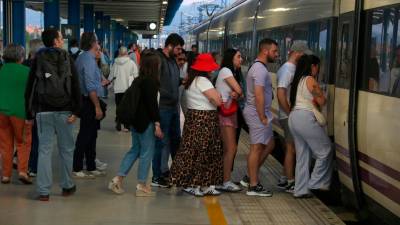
[198,165]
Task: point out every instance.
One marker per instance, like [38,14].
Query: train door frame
[353,102]
[342,100]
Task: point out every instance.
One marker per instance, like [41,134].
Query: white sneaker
[229,186]
[194,191]
[115,186]
[100,165]
[83,175]
[211,191]
[97,173]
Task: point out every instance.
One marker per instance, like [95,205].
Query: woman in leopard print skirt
[199,161]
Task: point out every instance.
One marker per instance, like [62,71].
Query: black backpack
[53,78]
[75,55]
[127,108]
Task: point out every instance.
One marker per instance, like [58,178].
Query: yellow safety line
[215,213]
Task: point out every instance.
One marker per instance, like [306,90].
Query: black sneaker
[166,175]
[159,182]
[245,181]
[259,190]
[290,187]
[44,198]
[282,184]
[68,191]
[118,127]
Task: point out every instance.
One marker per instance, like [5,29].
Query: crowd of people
[43,96]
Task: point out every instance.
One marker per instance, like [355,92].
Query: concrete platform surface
[94,204]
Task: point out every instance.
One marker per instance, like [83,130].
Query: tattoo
[316,92]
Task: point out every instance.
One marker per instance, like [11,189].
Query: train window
[382,58]
[344,54]
[242,42]
[320,49]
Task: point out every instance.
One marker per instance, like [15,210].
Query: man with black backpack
[53,98]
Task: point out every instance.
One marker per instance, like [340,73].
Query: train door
[344,56]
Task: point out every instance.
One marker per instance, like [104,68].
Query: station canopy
[134,14]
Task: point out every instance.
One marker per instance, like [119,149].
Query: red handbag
[229,109]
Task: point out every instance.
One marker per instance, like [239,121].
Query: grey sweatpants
[310,140]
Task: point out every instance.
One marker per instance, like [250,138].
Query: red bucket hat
[205,63]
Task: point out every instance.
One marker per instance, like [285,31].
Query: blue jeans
[50,124]
[143,145]
[33,157]
[170,126]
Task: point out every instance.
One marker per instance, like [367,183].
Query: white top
[285,78]
[183,71]
[125,71]
[195,99]
[221,85]
[303,97]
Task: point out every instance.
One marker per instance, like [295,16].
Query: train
[358,42]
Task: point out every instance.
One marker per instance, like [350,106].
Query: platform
[94,204]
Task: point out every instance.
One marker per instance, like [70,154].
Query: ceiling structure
[134,14]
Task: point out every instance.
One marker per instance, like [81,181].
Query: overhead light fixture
[154,36]
[152,26]
[165,2]
[281,9]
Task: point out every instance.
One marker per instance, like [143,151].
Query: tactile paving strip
[282,208]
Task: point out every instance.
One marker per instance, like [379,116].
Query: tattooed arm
[315,90]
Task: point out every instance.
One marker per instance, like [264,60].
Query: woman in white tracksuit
[310,137]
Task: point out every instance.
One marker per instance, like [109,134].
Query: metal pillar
[119,33]
[14,22]
[107,32]
[74,18]
[88,18]
[98,16]
[114,43]
[52,14]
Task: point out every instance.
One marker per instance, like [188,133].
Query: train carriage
[358,42]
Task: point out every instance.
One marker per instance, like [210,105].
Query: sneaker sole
[228,190]
[281,188]
[158,185]
[192,194]
[250,193]
[212,194]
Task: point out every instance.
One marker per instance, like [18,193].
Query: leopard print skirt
[199,160]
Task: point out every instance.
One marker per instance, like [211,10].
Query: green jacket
[13,80]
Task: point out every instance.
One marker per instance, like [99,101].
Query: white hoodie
[125,71]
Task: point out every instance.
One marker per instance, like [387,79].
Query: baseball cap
[300,47]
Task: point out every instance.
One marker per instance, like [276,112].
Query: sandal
[5,180]
[115,186]
[25,179]
[144,191]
